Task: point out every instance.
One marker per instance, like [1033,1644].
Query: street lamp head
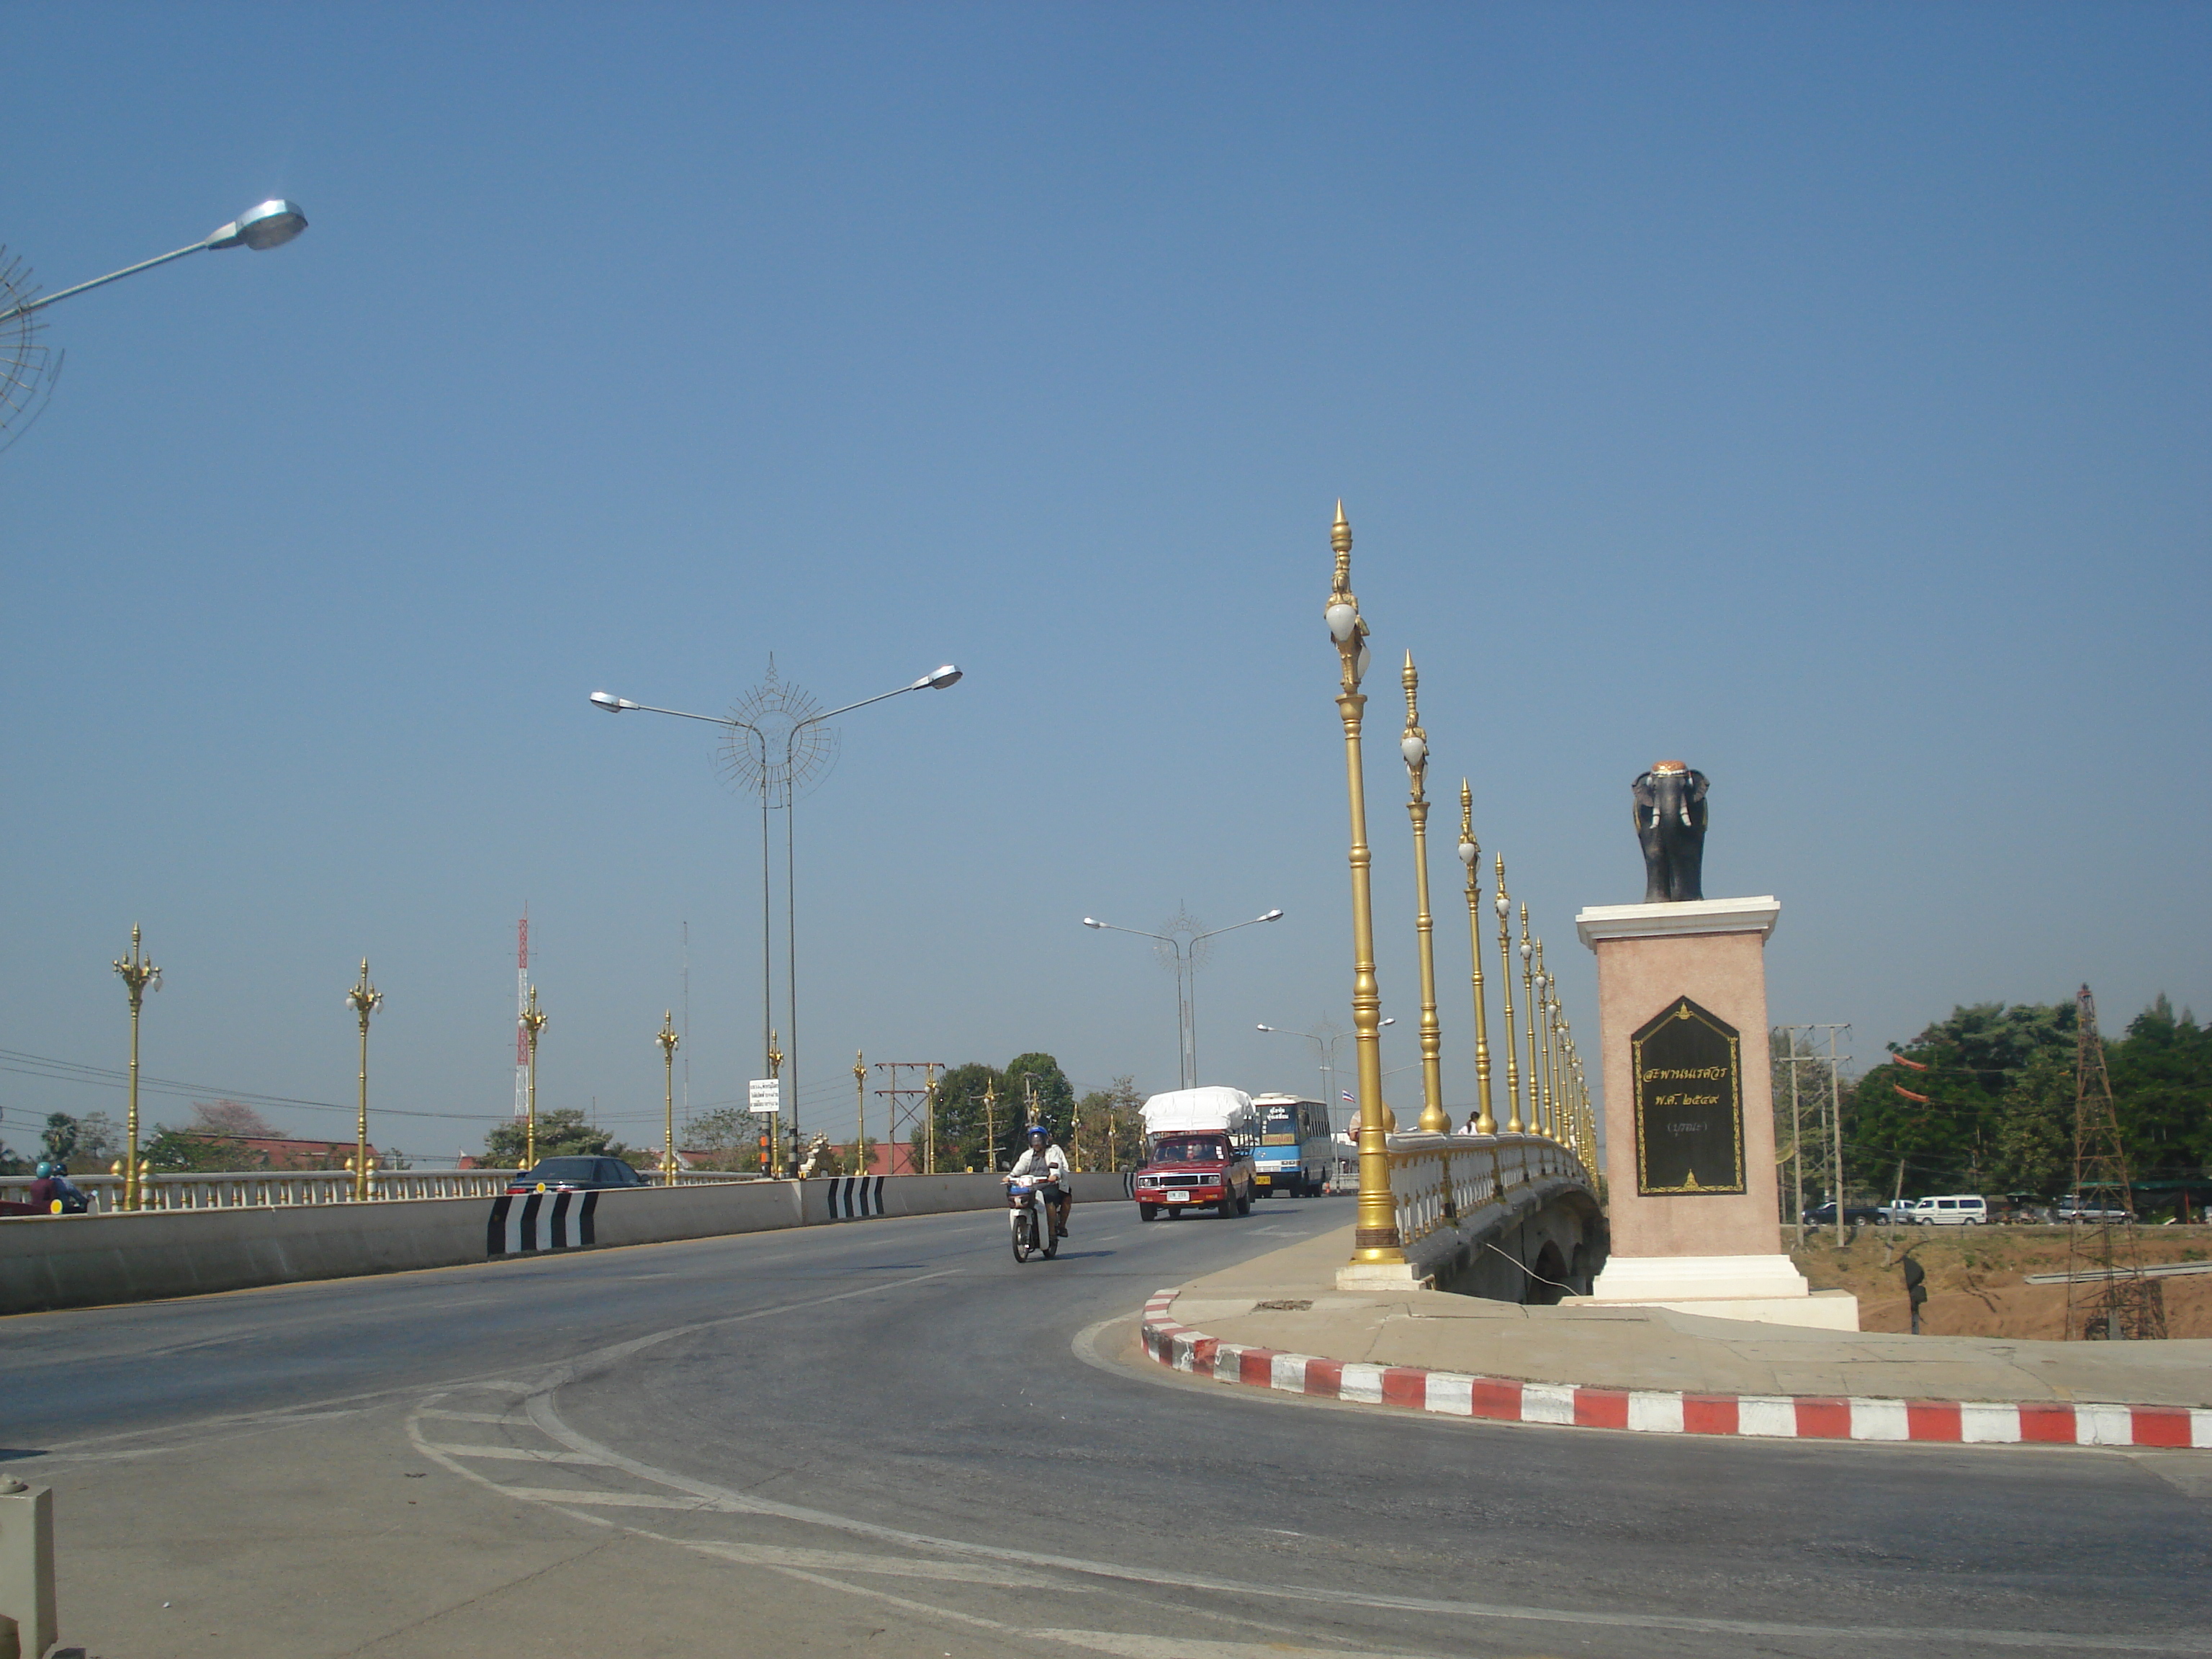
[611,704]
[1392,1020]
[1469,851]
[1263,1027]
[1089,923]
[270,225]
[1273,916]
[938,681]
[1415,749]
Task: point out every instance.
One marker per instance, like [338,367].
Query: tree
[560,1133]
[2161,1074]
[965,1124]
[727,1139]
[2033,1149]
[189,1150]
[59,1139]
[1111,1123]
[1937,1106]
[233,1118]
[1055,1095]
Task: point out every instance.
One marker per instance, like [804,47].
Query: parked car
[2091,1211]
[575,1174]
[1953,1210]
[1824,1215]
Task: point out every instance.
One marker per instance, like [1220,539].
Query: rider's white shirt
[1052,1163]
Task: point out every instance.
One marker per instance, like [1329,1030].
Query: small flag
[1908,1094]
[1347,1097]
[1899,1059]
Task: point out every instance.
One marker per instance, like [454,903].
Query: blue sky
[1817,393]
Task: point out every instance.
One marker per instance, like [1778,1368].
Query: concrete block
[27,1565]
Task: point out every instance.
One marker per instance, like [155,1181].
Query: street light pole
[1470,854]
[937,680]
[1375,1238]
[137,974]
[1325,1046]
[364,999]
[270,225]
[1185,963]
[1415,746]
[1505,904]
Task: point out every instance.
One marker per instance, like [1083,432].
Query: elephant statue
[1670,823]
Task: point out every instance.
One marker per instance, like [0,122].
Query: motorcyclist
[1046,1162]
[45,1192]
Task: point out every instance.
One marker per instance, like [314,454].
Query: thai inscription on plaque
[1689,1102]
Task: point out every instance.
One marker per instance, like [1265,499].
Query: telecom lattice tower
[909,1110]
[2107,1297]
[521,1007]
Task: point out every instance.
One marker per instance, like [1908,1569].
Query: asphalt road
[889,1437]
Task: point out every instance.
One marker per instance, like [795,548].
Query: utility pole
[1835,1126]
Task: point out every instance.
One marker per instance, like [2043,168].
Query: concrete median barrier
[85,1260]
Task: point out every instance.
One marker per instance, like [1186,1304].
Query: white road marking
[515,1454]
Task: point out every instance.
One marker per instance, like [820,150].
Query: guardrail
[1435,1180]
[281,1188]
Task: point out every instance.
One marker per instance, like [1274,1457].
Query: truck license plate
[1178,1197]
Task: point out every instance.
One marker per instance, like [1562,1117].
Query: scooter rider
[1045,1162]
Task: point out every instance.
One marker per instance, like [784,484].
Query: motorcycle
[1030,1206]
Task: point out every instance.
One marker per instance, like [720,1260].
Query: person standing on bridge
[1045,1162]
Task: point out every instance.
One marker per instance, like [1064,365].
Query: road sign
[766,1093]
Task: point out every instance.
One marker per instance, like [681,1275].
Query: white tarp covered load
[1214,1108]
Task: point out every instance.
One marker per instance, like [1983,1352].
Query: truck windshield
[1181,1149]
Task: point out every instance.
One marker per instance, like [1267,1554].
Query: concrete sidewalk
[1279,1321]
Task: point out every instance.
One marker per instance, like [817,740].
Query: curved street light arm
[1111,927]
[1271,916]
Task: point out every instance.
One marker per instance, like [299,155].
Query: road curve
[895,1417]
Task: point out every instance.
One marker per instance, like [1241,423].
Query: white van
[1960,1210]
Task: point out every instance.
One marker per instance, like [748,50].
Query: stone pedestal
[1689,1121]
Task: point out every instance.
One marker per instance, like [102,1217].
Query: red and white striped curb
[1671,1411]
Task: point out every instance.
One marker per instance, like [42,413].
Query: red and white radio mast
[521,1003]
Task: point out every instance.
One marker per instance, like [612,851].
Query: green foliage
[1054,1094]
[1110,1126]
[1999,1087]
[187,1151]
[560,1133]
[93,1141]
[728,1138]
[966,1127]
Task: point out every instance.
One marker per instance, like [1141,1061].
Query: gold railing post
[1375,1239]
[137,974]
[667,1037]
[533,1022]
[1470,854]
[364,999]
[1415,746]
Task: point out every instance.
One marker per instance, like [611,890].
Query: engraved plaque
[1688,1067]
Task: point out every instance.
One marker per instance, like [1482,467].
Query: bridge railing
[1436,1180]
[247,1189]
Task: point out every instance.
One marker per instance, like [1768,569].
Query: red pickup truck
[1187,1170]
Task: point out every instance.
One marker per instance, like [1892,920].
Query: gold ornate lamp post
[137,974]
[533,1022]
[364,999]
[1374,1238]
[667,1037]
[1547,1118]
[1528,995]
[1415,746]
[1504,904]
[1470,854]
[860,1113]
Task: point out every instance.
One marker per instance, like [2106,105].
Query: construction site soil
[1975,1277]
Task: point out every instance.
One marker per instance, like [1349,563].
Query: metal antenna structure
[2108,1298]
[28,368]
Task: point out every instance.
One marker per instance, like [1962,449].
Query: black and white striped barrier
[524,1222]
[855,1197]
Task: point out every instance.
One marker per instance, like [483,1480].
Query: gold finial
[532,1020]
[774,1056]
[1340,537]
[665,1037]
[1467,826]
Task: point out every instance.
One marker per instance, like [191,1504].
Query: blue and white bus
[1295,1152]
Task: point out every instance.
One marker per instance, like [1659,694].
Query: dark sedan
[1824,1215]
[575,1174]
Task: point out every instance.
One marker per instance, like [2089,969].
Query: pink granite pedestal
[1709,1243]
